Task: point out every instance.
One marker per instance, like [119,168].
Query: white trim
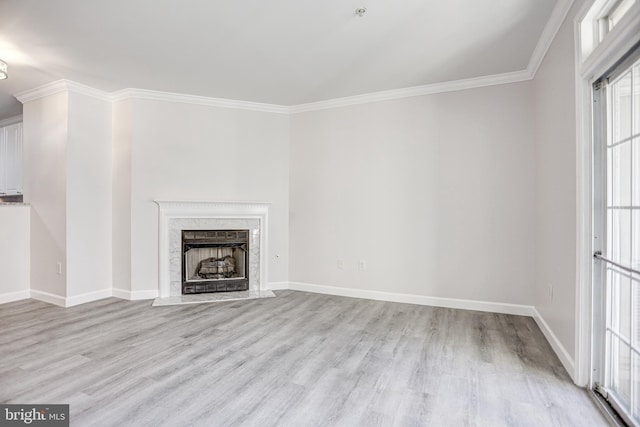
[121,293]
[462,304]
[558,15]
[583,314]
[132,93]
[278,286]
[73,300]
[78,299]
[42,91]
[14,296]
[87,91]
[208,210]
[620,39]
[48,297]
[473,83]
[61,86]
[147,294]
[134,295]
[88,297]
[556,345]
[11,120]
[197,100]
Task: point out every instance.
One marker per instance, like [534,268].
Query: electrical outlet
[550,291]
[59,267]
[340,264]
[362,265]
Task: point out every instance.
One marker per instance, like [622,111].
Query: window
[618,10]
[601,19]
[616,373]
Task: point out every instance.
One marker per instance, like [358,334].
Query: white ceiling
[283,52]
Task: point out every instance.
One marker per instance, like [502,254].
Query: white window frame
[600,18]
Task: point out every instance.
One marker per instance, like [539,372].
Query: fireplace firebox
[215,261]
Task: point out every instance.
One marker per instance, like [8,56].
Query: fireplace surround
[177,216]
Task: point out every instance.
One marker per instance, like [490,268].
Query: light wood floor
[300,359]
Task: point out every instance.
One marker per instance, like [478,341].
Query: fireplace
[215,261]
[177,216]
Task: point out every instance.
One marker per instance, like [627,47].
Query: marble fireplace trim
[191,215]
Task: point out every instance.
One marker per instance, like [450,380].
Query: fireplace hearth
[215,261]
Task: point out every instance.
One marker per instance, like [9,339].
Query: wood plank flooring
[300,359]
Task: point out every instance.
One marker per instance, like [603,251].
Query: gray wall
[435,193]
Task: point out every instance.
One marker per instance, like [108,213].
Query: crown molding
[11,120]
[154,95]
[70,86]
[87,91]
[557,17]
[42,91]
[473,83]
[61,86]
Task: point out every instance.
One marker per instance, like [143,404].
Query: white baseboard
[48,297]
[14,296]
[79,299]
[88,297]
[278,286]
[134,295]
[121,293]
[566,360]
[463,304]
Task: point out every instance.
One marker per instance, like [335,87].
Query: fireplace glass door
[215,261]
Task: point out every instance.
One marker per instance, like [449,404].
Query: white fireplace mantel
[211,215]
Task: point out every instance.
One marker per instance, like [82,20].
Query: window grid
[622,334]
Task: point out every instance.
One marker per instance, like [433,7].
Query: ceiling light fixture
[361,11]
[3,70]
